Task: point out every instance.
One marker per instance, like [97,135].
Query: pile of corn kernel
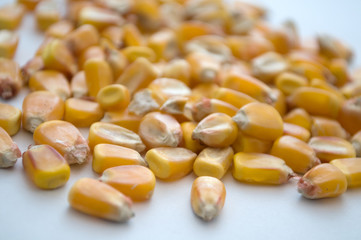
[168,87]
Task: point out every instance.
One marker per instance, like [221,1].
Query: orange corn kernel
[136,182]
[65,138]
[10,78]
[8,43]
[327,127]
[204,68]
[296,131]
[81,38]
[164,45]
[9,151]
[116,60]
[114,34]
[248,144]
[78,85]
[204,90]
[124,119]
[74,8]
[46,13]
[351,90]
[98,74]
[134,52]
[93,52]
[300,117]
[39,107]
[100,18]
[132,36]
[188,142]
[31,67]
[288,82]
[338,67]
[178,69]
[108,155]
[175,105]
[148,12]
[237,99]
[11,16]
[268,66]
[350,115]
[191,29]
[168,87]
[82,113]
[10,118]
[321,84]
[29,4]
[351,167]
[113,97]
[356,143]
[46,168]
[60,29]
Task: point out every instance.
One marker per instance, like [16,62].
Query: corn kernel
[98,199]
[31,67]
[237,99]
[216,130]
[207,197]
[116,60]
[60,29]
[114,34]
[338,67]
[121,7]
[9,151]
[289,82]
[356,143]
[81,38]
[333,48]
[78,85]
[136,182]
[178,69]
[143,102]
[168,87]
[204,68]
[124,119]
[46,168]
[148,14]
[188,142]
[46,13]
[11,16]
[134,52]
[170,163]
[113,97]
[65,138]
[322,84]
[248,144]
[260,168]
[164,45]
[322,181]
[351,168]
[327,127]
[101,132]
[8,43]
[296,131]
[175,105]
[132,36]
[93,52]
[100,18]
[300,117]
[268,66]
[351,90]
[350,115]
[29,4]
[82,113]
[10,78]
[39,107]
[98,75]
[10,118]
[108,155]
[204,90]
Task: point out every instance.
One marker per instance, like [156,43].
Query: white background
[250,212]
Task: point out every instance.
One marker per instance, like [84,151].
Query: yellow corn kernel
[11,16]
[78,85]
[322,181]
[31,67]
[216,130]
[268,66]
[190,29]
[134,79]
[208,195]
[202,90]
[169,163]
[281,40]
[259,120]
[60,29]
[93,52]
[65,138]
[351,90]
[8,43]
[178,69]
[338,67]
[188,142]
[46,13]
[248,144]
[300,117]
[351,167]
[98,199]
[329,148]
[333,48]
[327,127]
[134,52]
[148,14]
[168,87]
[10,118]
[116,60]
[204,68]
[278,101]
[132,36]
[321,84]
[113,97]
[29,4]
[39,107]
[297,154]
[316,101]
[81,38]
[160,130]
[82,113]
[46,168]
[213,162]
[100,18]
[350,115]
[74,8]
[121,7]
[52,81]
[10,78]
[296,131]
[260,168]
[143,102]
[9,151]
[136,182]
[98,75]
[102,132]
[56,56]
[164,45]
[124,119]
[356,143]
[288,82]
[175,106]
[109,155]
[237,99]
[114,34]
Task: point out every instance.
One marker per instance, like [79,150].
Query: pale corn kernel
[351,167]
[160,130]
[204,68]
[233,68]
[136,182]
[124,119]
[29,4]
[82,113]
[178,69]
[113,97]
[93,52]
[10,78]
[98,199]
[46,168]
[52,81]
[143,102]
[114,34]
[74,8]
[121,7]
[65,138]
[148,13]
[174,105]
[248,144]
[297,154]
[216,130]
[172,13]
[168,87]
[300,117]
[329,148]
[338,67]
[81,38]
[98,74]
[170,163]
[134,52]
[207,197]
[9,151]
[109,155]
[132,36]
[213,162]
[356,143]
[236,98]
[268,66]
[39,107]
[202,90]
[164,45]
[322,181]
[296,131]
[288,82]
[350,115]
[260,168]
[259,120]
[102,132]
[10,118]
[134,79]
[46,13]
[188,142]
[60,29]
[31,67]
[11,16]
[116,60]
[78,85]
[100,18]
[310,70]
[327,127]
[351,90]
[333,48]
[8,43]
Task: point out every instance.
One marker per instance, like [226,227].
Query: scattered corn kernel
[351,167]
[350,115]
[296,131]
[188,142]
[168,87]
[99,17]
[356,143]
[268,66]
[132,36]
[11,16]
[327,127]
[81,38]
[10,118]
[300,117]
[46,13]
[124,119]
[31,67]
[237,99]
[114,34]
[178,69]
[9,151]
[60,29]
[98,74]
[8,43]
[134,52]
[143,102]
[78,85]
[82,113]
[113,97]
[93,52]
[164,45]
[204,107]
[10,78]
[289,82]
[248,144]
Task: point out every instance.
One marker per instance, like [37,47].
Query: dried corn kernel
[65,138]
[113,97]
[188,142]
[207,197]
[202,90]
[350,115]
[143,102]
[168,87]
[322,181]
[29,4]
[114,34]
[60,29]
[237,99]
[10,118]
[260,168]
[268,66]
[333,48]
[98,75]
[8,43]
[327,127]
[351,167]
[81,38]
[121,7]
[248,144]
[322,84]
[132,36]
[174,105]
[10,78]
[98,199]
[31,67]
[136,182]
[170,163]
[356,143]
[9,151]
[178,69]
[93,52]
[116,61]
[82,113]
[123,119]
[338,67]
[351,90]
[11,16]
[134,52]
[78,85]
[101,132]
[46,13]
[108,155]
[46,167]
[164,45]
[99,17]
[204,68]
[296,131]
[39,107]
[300,117]
[148,13]
[288,82]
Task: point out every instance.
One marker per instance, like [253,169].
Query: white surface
[250,212]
